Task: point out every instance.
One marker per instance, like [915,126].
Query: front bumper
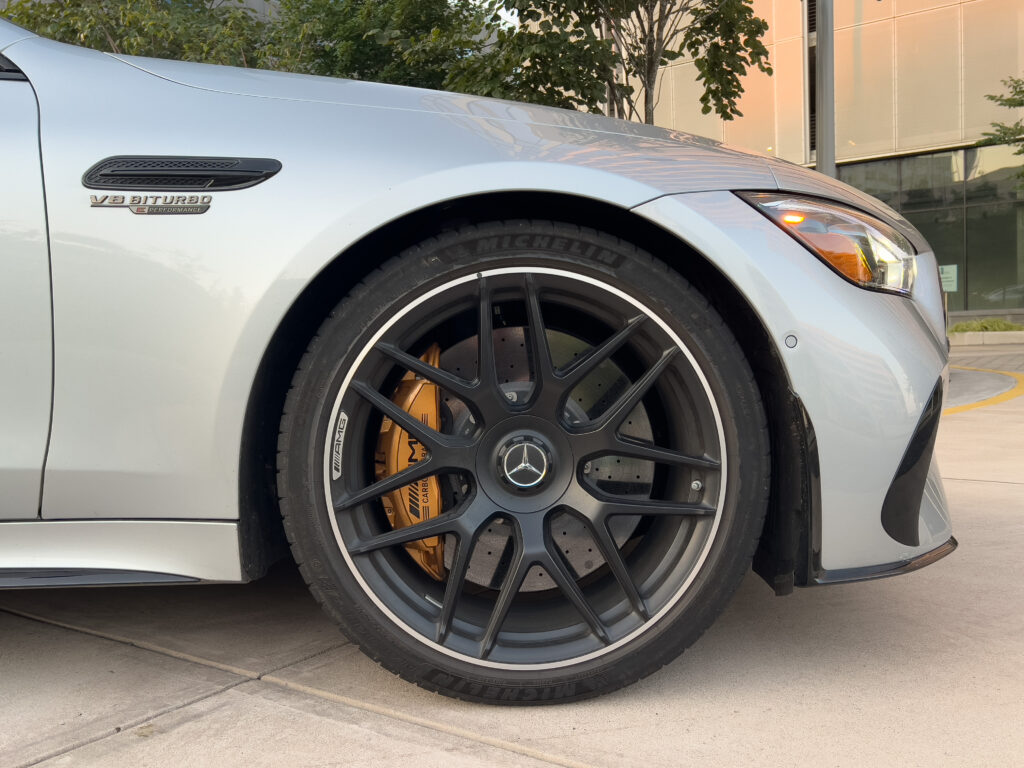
[864,366]
[846,575]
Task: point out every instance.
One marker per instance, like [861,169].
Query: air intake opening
[179,174]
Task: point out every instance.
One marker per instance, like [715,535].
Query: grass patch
[985,324]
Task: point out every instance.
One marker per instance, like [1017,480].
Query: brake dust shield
[398,450]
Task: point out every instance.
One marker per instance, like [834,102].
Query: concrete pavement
[1004,357]
[925,669]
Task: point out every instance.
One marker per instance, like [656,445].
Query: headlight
[859,247]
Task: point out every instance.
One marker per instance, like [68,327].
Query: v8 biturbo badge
[154,205]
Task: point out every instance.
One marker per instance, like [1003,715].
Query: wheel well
[261,537]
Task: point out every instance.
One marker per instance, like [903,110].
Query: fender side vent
[8,71]
[179,174]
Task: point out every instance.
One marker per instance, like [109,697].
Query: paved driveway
[925,669]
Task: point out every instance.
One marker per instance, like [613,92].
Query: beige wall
[911,75]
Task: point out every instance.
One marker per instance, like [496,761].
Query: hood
[670,161]
[12,33]
[331,90]
[734,168]
[663,161]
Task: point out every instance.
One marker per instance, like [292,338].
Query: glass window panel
[993,49]
[756,129]
[877,178]
[864,90]
[995,256]
[927,78]
[788,20]
[851,12]
[992,174]
[788,62]
[685,103]
[913,6]
[944,231]
[932,181]
[763,10]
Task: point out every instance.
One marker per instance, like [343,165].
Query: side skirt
[11,578]
[85,552]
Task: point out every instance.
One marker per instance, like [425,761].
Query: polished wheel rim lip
[695,569]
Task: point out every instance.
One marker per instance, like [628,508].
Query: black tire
[583,623]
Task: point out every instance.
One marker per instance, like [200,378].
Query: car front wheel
[523,462]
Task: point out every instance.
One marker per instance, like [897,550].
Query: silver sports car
[525,391]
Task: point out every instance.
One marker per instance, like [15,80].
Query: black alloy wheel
[602,459]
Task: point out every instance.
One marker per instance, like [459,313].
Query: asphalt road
[925,669]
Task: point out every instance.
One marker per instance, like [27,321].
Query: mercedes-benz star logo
[525,465]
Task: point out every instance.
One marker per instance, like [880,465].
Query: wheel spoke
[443,523]
[571,374]
[432,439]
[613,557]
[509,589]
[621,408]
[637,449]
[456,385]
[567,583]
[611,506]
[540,352]
[487,365]
[412,473]
[456,582]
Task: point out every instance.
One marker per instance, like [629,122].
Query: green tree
[407,42]
[193,30]
[595,52]
[590,54]
[1012,133]
[553,54]
[723,37]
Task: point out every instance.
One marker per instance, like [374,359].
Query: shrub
[986,324]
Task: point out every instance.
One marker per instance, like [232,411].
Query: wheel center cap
[524,462]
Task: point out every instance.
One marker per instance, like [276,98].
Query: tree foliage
[618,47]
[1009,133]
[553,55]
[589,54]
[406,42]
[192,30]
[723,37]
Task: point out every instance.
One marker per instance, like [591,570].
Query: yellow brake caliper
[398,450]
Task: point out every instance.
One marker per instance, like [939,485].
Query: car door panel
[25,317]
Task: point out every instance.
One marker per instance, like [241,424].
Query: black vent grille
[8,71]
[177,174]
[153,182]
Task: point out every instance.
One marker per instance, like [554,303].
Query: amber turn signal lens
[861,248]
[841,252]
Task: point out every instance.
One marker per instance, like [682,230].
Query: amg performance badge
[150,205]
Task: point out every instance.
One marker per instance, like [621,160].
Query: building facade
[911,80]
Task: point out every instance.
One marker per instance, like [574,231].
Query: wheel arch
[781,556]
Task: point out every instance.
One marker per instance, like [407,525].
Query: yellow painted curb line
[1016,391]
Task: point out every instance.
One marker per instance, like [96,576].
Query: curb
[986,337]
